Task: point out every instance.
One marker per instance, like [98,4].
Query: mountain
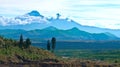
[51,28]
[47,33]
[35,13]
[34,20]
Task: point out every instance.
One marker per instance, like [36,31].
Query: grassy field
[111,56]
[105,51]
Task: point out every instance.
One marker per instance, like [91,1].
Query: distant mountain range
[34,20]
[47,33]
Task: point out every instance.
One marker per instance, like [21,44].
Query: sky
[99,13]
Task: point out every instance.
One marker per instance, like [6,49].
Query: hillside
[48,32]
[10,52]
[12,55]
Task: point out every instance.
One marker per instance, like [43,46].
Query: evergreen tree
[53,43]
[21,41]
[27,43]
[48,45]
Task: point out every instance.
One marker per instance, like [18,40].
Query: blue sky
[100,13]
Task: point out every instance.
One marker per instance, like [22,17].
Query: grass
[111,56]
[32,53]
[11,52]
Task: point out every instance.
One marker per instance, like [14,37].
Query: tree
[48,45]
[53,43]
[27,43]
[21,41]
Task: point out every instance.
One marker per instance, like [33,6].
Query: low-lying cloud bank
[22,20]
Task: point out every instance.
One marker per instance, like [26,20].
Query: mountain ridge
[47,33]
[34,20]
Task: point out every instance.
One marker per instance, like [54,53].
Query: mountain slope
[47,33]
[11,52]
[34,20]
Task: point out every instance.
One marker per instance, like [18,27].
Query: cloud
[21,20]
[100,13]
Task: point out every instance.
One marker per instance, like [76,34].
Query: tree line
[24,44]
[51,45]
[6,43]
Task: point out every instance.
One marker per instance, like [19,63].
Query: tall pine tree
[21,41]
[53,41]
[27,43]
[48,45]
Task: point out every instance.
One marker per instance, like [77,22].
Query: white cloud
[100,13]
[21,20]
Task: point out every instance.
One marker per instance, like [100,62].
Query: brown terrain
[56,63]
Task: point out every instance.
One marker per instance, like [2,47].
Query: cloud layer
[99,13]
[21,20]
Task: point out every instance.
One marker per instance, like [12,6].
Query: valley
[103,51]
[74,45]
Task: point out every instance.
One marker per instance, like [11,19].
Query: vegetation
[48,45]
[21,41]
[53,43]
[10,51]
[27,43]
[24,44]
[110,56]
